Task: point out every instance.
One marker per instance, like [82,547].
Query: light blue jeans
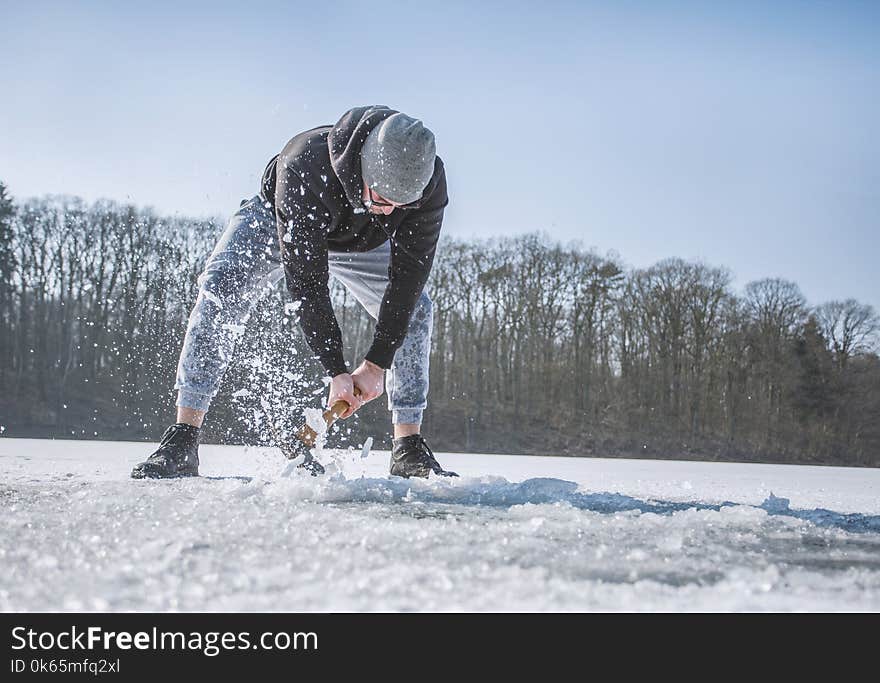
[244,266]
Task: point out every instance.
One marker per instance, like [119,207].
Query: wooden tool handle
[309,436]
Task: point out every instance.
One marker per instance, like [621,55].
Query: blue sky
[742,134]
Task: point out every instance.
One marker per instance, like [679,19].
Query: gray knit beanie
[397,159]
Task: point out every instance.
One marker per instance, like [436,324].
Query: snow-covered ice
[513,533]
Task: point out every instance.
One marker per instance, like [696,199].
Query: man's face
[377,204]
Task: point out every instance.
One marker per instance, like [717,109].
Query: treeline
[536,341]
[538,347]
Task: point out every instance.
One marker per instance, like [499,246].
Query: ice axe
[306,438]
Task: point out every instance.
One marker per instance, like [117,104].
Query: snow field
[513,533]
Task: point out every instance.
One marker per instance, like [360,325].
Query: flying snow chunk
[213,298]
[315,420]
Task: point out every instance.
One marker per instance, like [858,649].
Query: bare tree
[850,328]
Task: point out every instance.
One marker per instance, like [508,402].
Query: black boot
[177,455]
[412,457]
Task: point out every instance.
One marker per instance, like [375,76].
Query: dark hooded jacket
[315,187]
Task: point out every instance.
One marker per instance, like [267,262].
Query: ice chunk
[213,298]
[776,505]
[315,420]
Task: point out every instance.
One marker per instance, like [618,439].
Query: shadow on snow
[498,492]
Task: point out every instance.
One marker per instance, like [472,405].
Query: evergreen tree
[7,268]
[813,393]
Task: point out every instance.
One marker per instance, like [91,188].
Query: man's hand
[342,389]
[369,378]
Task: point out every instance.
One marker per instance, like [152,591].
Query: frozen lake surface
[513,533]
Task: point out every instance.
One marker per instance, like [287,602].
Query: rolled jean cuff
[191,399]
[407,416]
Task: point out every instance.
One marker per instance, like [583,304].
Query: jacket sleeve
[412,255]
[302,231]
